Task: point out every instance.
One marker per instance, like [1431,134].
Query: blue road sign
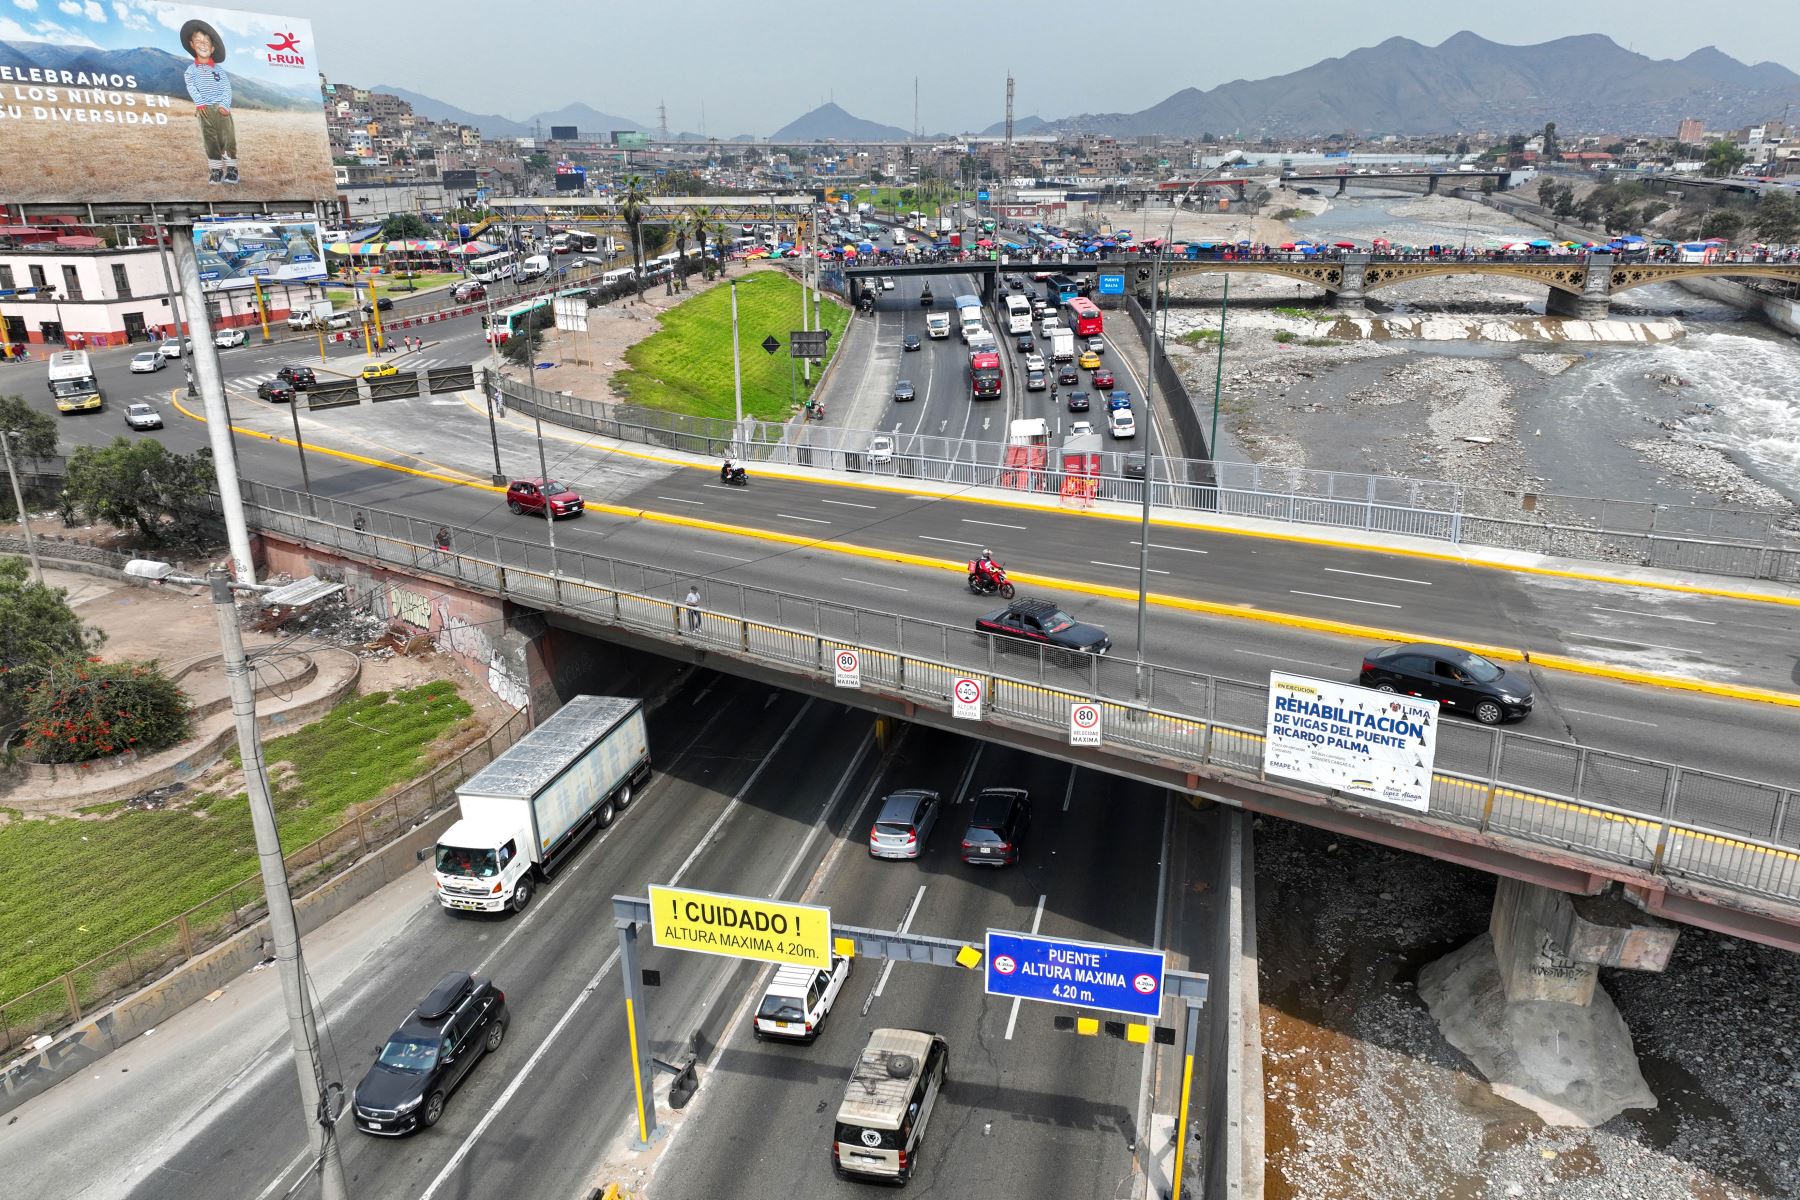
[981,196]
[1085,974]
[1111,285]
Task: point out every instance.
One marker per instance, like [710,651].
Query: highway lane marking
[926,537]
[850,504]
[1609,717]
[1657,616]
[716,554]
[814,520]
[1122,567]
[1305,662]
[1595,637]
[679,500]
[887,968]
[1069,792]
[1345,599]
[871,583]
[1372,575]
[1037,920]
[962,785]
[1183,549]
[995,524]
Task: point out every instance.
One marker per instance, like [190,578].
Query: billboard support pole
[164,237]
[205,366]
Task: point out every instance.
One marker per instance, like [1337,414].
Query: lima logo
[285,52]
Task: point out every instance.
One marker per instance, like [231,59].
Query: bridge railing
[1655,816]
[1747,543]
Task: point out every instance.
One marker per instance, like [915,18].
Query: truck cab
[937,324]
[479,865]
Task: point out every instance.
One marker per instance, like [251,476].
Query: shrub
[89,709]
[1284,335]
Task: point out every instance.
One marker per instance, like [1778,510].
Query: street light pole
[737,370]
[1149,464]
[544,491]
[37,568]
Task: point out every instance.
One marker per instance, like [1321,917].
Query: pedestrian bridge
[1579,285]
[1689,845]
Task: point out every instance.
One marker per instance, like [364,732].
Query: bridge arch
[1563,277]
[1631,275]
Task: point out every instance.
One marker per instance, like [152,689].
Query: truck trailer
[525,812]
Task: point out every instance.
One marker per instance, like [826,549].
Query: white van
[535,267]
[797,999]
[888,1102]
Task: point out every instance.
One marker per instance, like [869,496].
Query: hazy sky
[755,66]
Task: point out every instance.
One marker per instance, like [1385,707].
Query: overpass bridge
[1690,845]
[1578,285]
[1370,178]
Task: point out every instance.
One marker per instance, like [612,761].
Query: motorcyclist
[729,469]
[987,569]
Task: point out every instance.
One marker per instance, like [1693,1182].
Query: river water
[1732,383]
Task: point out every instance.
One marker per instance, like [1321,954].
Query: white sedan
[146,361]
[881,449]
[141,416]
[226,338]
[1034,362]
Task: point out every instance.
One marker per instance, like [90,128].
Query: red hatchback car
[1103,381]
[536,495]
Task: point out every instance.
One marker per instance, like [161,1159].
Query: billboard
[630,139]
[140,100]
[461,181]
[574,180]
[562,133]
[1376,745]
[233,254]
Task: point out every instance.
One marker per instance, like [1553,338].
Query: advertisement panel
[1377,745]
[232,254]
[630,139]
[562,133]
[139,100]
[461,180]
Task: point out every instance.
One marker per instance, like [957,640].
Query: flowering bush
[90,709]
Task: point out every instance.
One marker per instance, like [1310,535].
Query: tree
[632,209]
[1722,158]
[1777,218]
[1462,148]
[1722,223]
[34,433]
[1622,219]
[37,630]
[683,227]
[1565,202]
[87,709]
[703,220]
[1547,189]
[405,225]
[1649,212]
[139,485]
[1550,146]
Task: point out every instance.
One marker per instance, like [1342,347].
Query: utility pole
[37,569]
[1007,158]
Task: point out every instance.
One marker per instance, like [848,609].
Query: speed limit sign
[848,664]
[965,699]
[1084,724]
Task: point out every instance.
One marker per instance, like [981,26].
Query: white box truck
[1062,344]
[937,324]
[528,809]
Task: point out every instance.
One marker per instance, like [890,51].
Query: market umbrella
[1286,246]
[1345,245]
[1539,243]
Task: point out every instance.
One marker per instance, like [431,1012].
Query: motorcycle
[735,476]
[982,585]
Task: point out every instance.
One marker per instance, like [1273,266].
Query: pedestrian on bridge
[693,607]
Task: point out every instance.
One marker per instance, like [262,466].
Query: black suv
[997,827]
[463,1018]
[276,390]
[301,377]
[1455,678]
[1042,622]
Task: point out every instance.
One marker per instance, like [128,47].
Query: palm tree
[633,212]
[703,216]
[684,226]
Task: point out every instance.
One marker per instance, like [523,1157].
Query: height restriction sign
[965,699]
[849,668]
[1084,724]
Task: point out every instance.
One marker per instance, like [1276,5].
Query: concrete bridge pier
[1350,295]
[1595,301]
[1343,182]
[1524,1002]
[1431,184]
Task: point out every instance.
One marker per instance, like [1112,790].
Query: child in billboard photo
[209,87]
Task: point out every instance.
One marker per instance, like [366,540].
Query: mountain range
[830,121]
[591,121]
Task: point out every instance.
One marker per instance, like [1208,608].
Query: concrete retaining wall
[105,1032]
[1233,1136]
[1781,312]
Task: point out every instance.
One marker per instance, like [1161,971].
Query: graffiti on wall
[505,663]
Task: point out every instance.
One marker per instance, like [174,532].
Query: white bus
[1018,313]
[617,275]
[72,382]
[491,268]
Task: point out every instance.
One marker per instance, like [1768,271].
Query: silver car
[903,823]
[146,361]
[141,416]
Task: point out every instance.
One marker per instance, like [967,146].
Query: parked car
[997,827]
[301,377]
[1089,361]
[227,338]
[1078,401]
[276,391]
[903,823]
[1457,679]
[379,370]
[145,361]
[534,494]
[462,1019]
[797,1000]
[139,415]
[903,390]
[1043,623]
[911,342]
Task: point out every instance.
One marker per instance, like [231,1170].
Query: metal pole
[1212,442]
[300,446]
[205,364]
[737,372]
[493,402]
[1149,473]
[1187,1087]
[163,237]
[642,1079]
[316,1093]
[37,569]
[543,489]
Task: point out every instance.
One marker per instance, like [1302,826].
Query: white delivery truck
[528,809]
[945,225]
[899,235]
[982,342]
[1062,345]
[968,318]
[937,324]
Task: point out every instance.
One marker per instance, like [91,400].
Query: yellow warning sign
[740,926]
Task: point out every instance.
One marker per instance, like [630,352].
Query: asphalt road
[1028,1110]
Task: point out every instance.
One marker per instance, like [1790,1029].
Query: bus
[1082,315]
[984,376]
[1060,288]
[508,323]
[491,268]
[72,382]
[1018,313]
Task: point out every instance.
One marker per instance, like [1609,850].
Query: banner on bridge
[1376,745]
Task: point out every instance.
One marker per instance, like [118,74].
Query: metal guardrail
[1656,816]
[1747,543]
[106,977]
